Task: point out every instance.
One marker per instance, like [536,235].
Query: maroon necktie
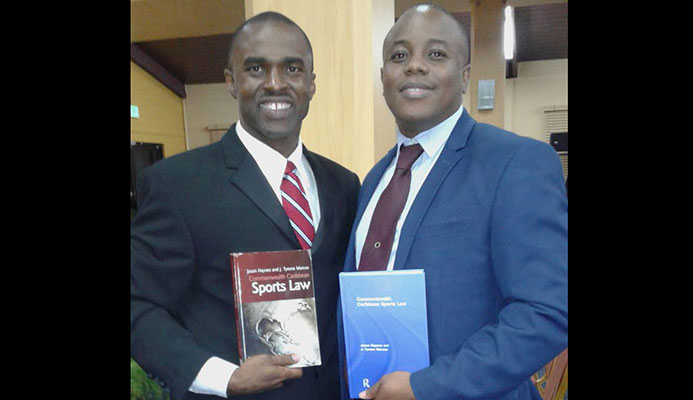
[378,244]
[296,206]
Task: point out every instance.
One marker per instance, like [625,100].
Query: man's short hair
[265,17]
[452,17]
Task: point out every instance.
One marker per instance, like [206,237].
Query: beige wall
[207,105]
[539,84]
[161,113]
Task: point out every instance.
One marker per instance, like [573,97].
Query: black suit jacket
[194,209]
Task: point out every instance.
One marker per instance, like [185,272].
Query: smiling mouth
[415,90]
[277,110]
[275,106]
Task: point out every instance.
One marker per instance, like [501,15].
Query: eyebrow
[294,60]
[254,60]
[263,60]
[439,41]
[405,42]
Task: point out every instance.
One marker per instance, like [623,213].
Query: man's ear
[381,79]
[466,73]
[231,83]
[312,86]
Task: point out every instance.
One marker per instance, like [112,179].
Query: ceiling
[169,32]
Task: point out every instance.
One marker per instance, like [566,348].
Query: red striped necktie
[296,205]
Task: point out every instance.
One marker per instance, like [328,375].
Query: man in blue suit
[485,216]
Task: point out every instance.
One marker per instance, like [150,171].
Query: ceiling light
[509,34]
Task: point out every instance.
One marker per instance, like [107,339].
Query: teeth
[415,93]
[275,106]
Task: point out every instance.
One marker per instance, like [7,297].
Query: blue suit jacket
[490,228]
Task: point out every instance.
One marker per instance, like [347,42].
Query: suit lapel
[449,157]
[367,189]
[371,182]
[325,197]
[247,177]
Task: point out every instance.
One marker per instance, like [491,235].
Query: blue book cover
[385,329]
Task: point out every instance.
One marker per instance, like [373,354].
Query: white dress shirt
[432,141]
[215,374]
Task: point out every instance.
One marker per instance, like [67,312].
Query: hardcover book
[275,305]
[385,328]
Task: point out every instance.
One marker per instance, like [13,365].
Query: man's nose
[416,65]
[275,80]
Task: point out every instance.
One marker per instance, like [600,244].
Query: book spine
[345,329]
[237,287]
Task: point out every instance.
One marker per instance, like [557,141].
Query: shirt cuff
[213,377]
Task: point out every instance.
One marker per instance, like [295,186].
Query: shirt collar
[432,140]
[271,162]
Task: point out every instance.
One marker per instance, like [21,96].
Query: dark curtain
[142,155]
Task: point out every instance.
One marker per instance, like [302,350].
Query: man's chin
[277,133]
[412,123]
[272,129]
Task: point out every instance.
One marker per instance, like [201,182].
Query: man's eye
[398,56]
[293,69]
[254,68]
[437,54]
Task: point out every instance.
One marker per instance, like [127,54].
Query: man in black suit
[197,207]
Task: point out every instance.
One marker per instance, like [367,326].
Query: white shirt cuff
[213,377]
